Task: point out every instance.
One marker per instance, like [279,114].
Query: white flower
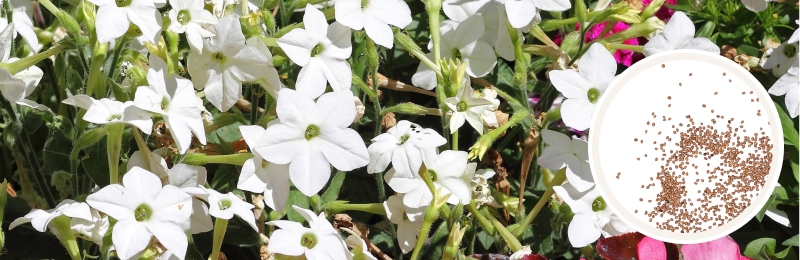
[678,34]
[445,170]
[573,153]
[189,178]
[374,16]
[174,98]
[189,17]
[144,209]
[402,145]
[226,205]
[40,219]
[461,41]
[479,183]
[91,229]
[788,85]
[582,88]
[522,12]
[107,111]
[225,63]
[115,16]
[408,221]
[21,14]
[318,241]
[592,216]
[311,137]
[270,80]
[358,245]
[783,58]
[322,51]
[466,107]
[488,116]
[261,176]
[494,22]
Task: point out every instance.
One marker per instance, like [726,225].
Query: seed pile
[734,165]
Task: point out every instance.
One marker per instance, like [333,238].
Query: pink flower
[663,13]
[624,57]
[721,249]
[653,249]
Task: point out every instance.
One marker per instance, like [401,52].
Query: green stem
[202,159]
[114,59]
[423,232]
[539,34]
[622,46]
[511,241]
[95,85]
[114,147]
[374,208]
[521,64]
[27,62]
[485,224]
[220,226]
[61,223]
[557,180]
[433,22]
[454,140]
[143,148]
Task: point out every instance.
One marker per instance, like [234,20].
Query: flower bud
[571,43]
[194,159]
[69,23]
[408,44]
[580,10]
[372,55]
[646,28]
[651,9]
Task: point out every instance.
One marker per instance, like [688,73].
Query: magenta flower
[663,13]
[721,249]
[624,57]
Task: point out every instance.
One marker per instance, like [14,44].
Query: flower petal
[310,171]
[170,236]
[297,44]
[286,242]
[348,13]
[577,113]
[597,66]
[582,230]
[130,237]
[520,12]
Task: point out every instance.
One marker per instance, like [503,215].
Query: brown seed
[723,74]
[690,74]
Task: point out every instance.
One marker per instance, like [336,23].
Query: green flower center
[311,132]
[114,117]
[219,57]
[123,3]
[184,17]
[142,213]
[364,4]
[790,50]
[264,164]
[133,30]
[308,240]
[433,175]
[461,106]
[224,204]
[593,95]
[598,204]
[317,50]
[164,104]
[403,139]
[456,54]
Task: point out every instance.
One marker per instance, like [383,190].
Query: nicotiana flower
[21,14]
[783,58]
[92,229]
[190,17]
[592,216]
[189,178]
[678,34]
[574,153]
[479,183]
[312,136]
[789,85]
[322,51]
[488,116]
[40,219]
[259,175]
[226,205]
[143,209]
[269,80]
[172,97]
[460,41]
[522,12]
[583,88]
[107,111]
[402,145]
[374,16]
[445,170]
[115,16]
[318,241]
[226,62]
[360,249]
[408,221]
[494,22]
[466,107]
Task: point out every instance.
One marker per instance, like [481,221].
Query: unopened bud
[580,10]
[372,54]
[651,9]
[405,41]
[194,159]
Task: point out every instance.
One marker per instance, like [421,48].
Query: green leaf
[794,241]
[95,163]
[706,30]
[241,234]
[762,248]
[789,131]
[778,193]
[749,50]
[56,153]
[225,178]
[296,198]
[332,193]
[88,138]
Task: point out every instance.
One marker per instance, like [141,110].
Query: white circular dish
[656,95]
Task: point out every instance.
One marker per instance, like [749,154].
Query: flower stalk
[61,223]
[114,147]
[27,62]
[338,206]
[220,226]
[557,180]
[202,159]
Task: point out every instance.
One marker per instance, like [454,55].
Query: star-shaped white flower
[172,97]
[522,12]
[225,63]
[402,145]
[592,216]
[21,14]
[143,209]
[322,51]
[374,16]
[269,80]
[93,229]
[789,85]
[115,16]
[40,219]
[317,242]
[108,111]
[408,221]
[678,34]
[445,170]
[226,205]
[460,41]
[466,107]
[783,58]
[494,22]
[311,137]
[573,153]
[189,178]
[261,176]
[190,17]
[583,88]
[479,184]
